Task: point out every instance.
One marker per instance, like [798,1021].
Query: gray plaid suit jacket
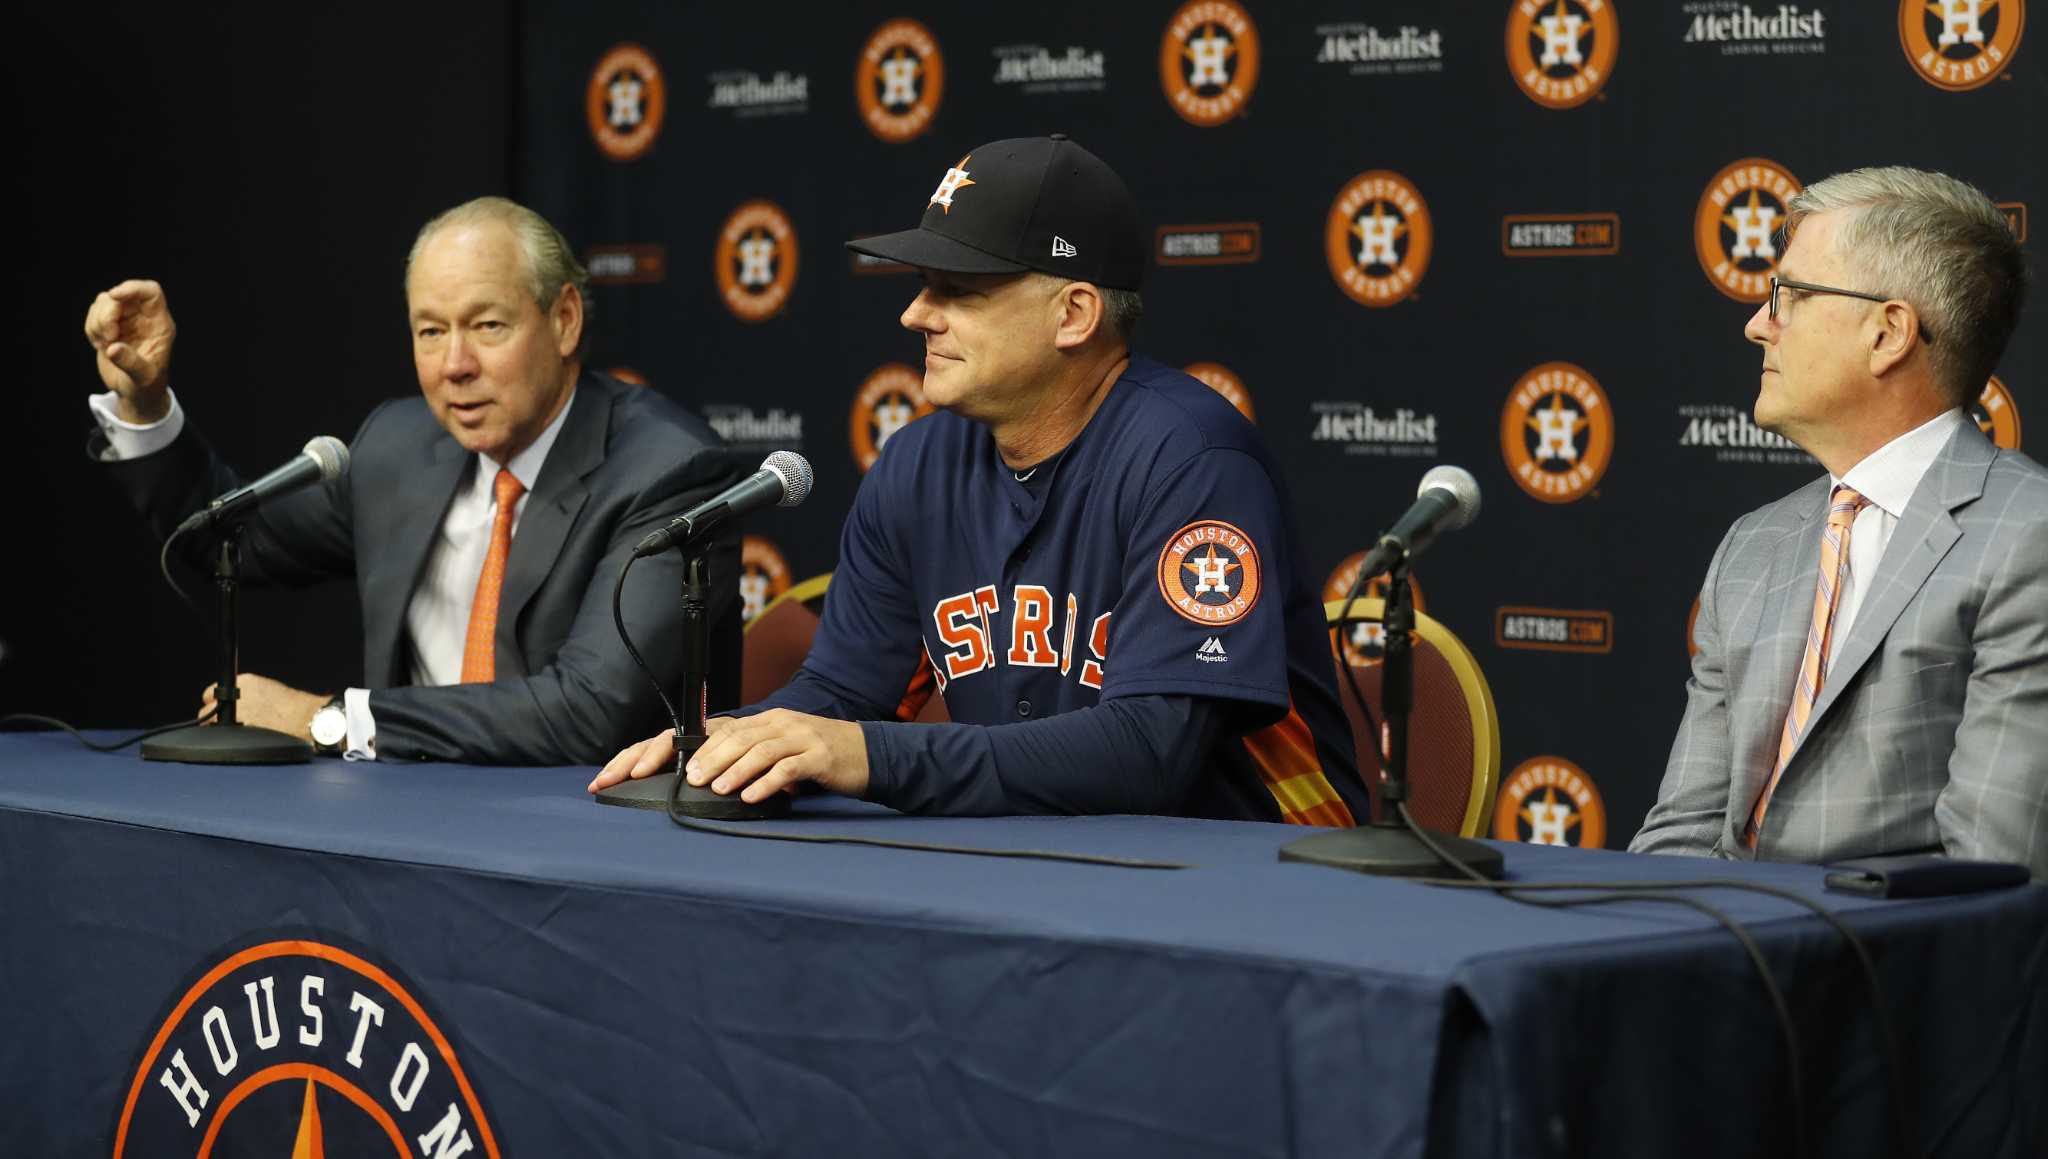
[1931,732]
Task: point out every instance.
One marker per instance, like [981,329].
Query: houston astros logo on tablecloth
[295,1047]
[1209,572]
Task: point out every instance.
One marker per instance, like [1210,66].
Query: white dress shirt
[437,618]
[1887,477]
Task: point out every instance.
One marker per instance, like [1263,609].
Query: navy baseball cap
[1028,203]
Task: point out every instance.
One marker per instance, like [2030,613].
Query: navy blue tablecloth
[606,983]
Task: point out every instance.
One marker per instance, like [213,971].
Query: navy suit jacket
[626,461]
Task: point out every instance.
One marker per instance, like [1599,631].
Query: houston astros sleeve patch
[1209,572]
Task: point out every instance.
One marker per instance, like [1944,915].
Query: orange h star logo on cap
[954,181]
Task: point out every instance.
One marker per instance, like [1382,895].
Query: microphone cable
[51,723]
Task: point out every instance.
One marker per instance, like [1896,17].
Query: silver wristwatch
[330,728]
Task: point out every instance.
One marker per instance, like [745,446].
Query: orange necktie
[1820,640]
[479,648]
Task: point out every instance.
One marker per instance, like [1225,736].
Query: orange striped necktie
[1820,640]
[479,648]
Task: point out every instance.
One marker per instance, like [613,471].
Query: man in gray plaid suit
[1872,667]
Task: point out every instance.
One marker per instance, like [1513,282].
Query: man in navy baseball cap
[1084,552]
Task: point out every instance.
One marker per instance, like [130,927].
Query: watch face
[330,726]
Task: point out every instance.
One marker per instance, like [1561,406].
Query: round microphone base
[1389,851]
[227,744]
[691,801]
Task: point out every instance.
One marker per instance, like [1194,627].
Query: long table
[444,960]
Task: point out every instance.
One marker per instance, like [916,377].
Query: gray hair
[1939,244]
[550,263]
[1121,309]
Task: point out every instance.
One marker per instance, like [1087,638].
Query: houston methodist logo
[299,1032]
[1550,801]
[625,102]
[756,261]
[1735,228]
[1209,572]
[764,574]
[1209,61]
[890,399]
[1562,51]
[1365,642]
[1996,416]
[1960,44]
[1223,381]
[899,81]
[1378,238]
[1557,432]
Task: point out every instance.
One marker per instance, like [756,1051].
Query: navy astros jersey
[1156,559]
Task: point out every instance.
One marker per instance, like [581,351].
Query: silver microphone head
[1460,483]
[795,472]
[331,454]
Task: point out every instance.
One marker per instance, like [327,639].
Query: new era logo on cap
[1029,203]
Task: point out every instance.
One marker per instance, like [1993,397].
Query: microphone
[784,480]
[1447,500]
[324,459]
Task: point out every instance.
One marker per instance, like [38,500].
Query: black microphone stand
[227,741]
[672,790]
[1387,847]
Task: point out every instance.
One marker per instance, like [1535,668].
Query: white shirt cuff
[126,440]
[362,727]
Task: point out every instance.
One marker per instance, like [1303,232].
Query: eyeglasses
[1812,288]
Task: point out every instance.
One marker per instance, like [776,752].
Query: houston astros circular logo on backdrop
[1735,228]
[1209,61]
[899,80]
[1996,416]
[1378,238]
[625,102]
[1550,801]
[295,1047]
[1562,51]
[764,574]
[1557,432]
[1209,572]
[890,399]
[1366,641]
[1223,381]
[756,261]
[1960,44]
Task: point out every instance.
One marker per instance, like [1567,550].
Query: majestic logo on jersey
[899,80]
[1553,629]
[1223,381]
[625,102]
[756,261]
[954,181]
[1557,432]
[1736,227]
[1365,642]
[764,574]
[298,1048]
[1550,801]
[1996,416]
[1209,61]
[1960,44]
[1562,51]
[1211,652]
[1378,238]
[1210,573]
[969,642]
[1546,235]
[892,398]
